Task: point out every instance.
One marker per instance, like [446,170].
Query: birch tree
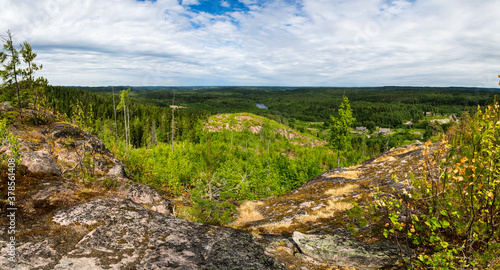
[124,101]
[114,110]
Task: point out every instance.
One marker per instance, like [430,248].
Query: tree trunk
[114,110]
[125,126]
[128,127]
[173,121]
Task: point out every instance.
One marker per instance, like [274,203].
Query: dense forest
[375,106]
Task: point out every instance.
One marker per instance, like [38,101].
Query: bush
[451,219]
[211,212]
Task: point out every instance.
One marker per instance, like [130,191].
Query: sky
[260,42]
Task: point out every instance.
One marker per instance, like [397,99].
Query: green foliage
[211,211]
[83,116]
[11,70]
[124,100]
[110,183]
[452,216]
[340,137]
[7,138]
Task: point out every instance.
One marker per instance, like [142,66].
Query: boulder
[346,251]
[40,161]
[117,170]
[146,195]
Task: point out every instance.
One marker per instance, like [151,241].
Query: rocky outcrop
[106,221]
[313,217]
[120,234]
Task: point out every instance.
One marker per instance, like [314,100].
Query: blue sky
[261,42]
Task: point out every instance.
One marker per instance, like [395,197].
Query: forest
[217,149]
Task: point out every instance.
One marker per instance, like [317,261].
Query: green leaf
[445,224]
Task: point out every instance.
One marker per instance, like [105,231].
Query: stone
[40,161]
[346,251]
[117,170]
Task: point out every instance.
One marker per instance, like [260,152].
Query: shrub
[451,219]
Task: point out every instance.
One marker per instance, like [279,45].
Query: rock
[40,161]
[4,149]
[117,170]
[126,235]
[78,263]
[66,131]
[345,251]
[146,195]
[6,106]
[142,194]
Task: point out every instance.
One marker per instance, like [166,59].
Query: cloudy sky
[261,42]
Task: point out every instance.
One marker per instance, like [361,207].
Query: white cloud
[225,4]
[190,2]
[277,42]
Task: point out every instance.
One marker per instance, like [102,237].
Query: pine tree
[11,70]
[28,75]
[153,133]
[340,137]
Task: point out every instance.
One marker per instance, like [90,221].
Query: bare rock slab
[128,236]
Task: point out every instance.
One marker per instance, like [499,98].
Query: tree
[11,70]
[153,140]
[114,110]
[28,75]
[340,136]
[173,120]
[124,100]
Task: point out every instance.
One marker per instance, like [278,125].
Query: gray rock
[6,106]
[130,236]
[40,161]
[345,251]
[117,170]
[142,194]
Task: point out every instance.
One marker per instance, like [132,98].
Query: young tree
[28,74]
[124,100]
[153,141]
[173,120]
[11,70]
[340,136]
[114,110]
